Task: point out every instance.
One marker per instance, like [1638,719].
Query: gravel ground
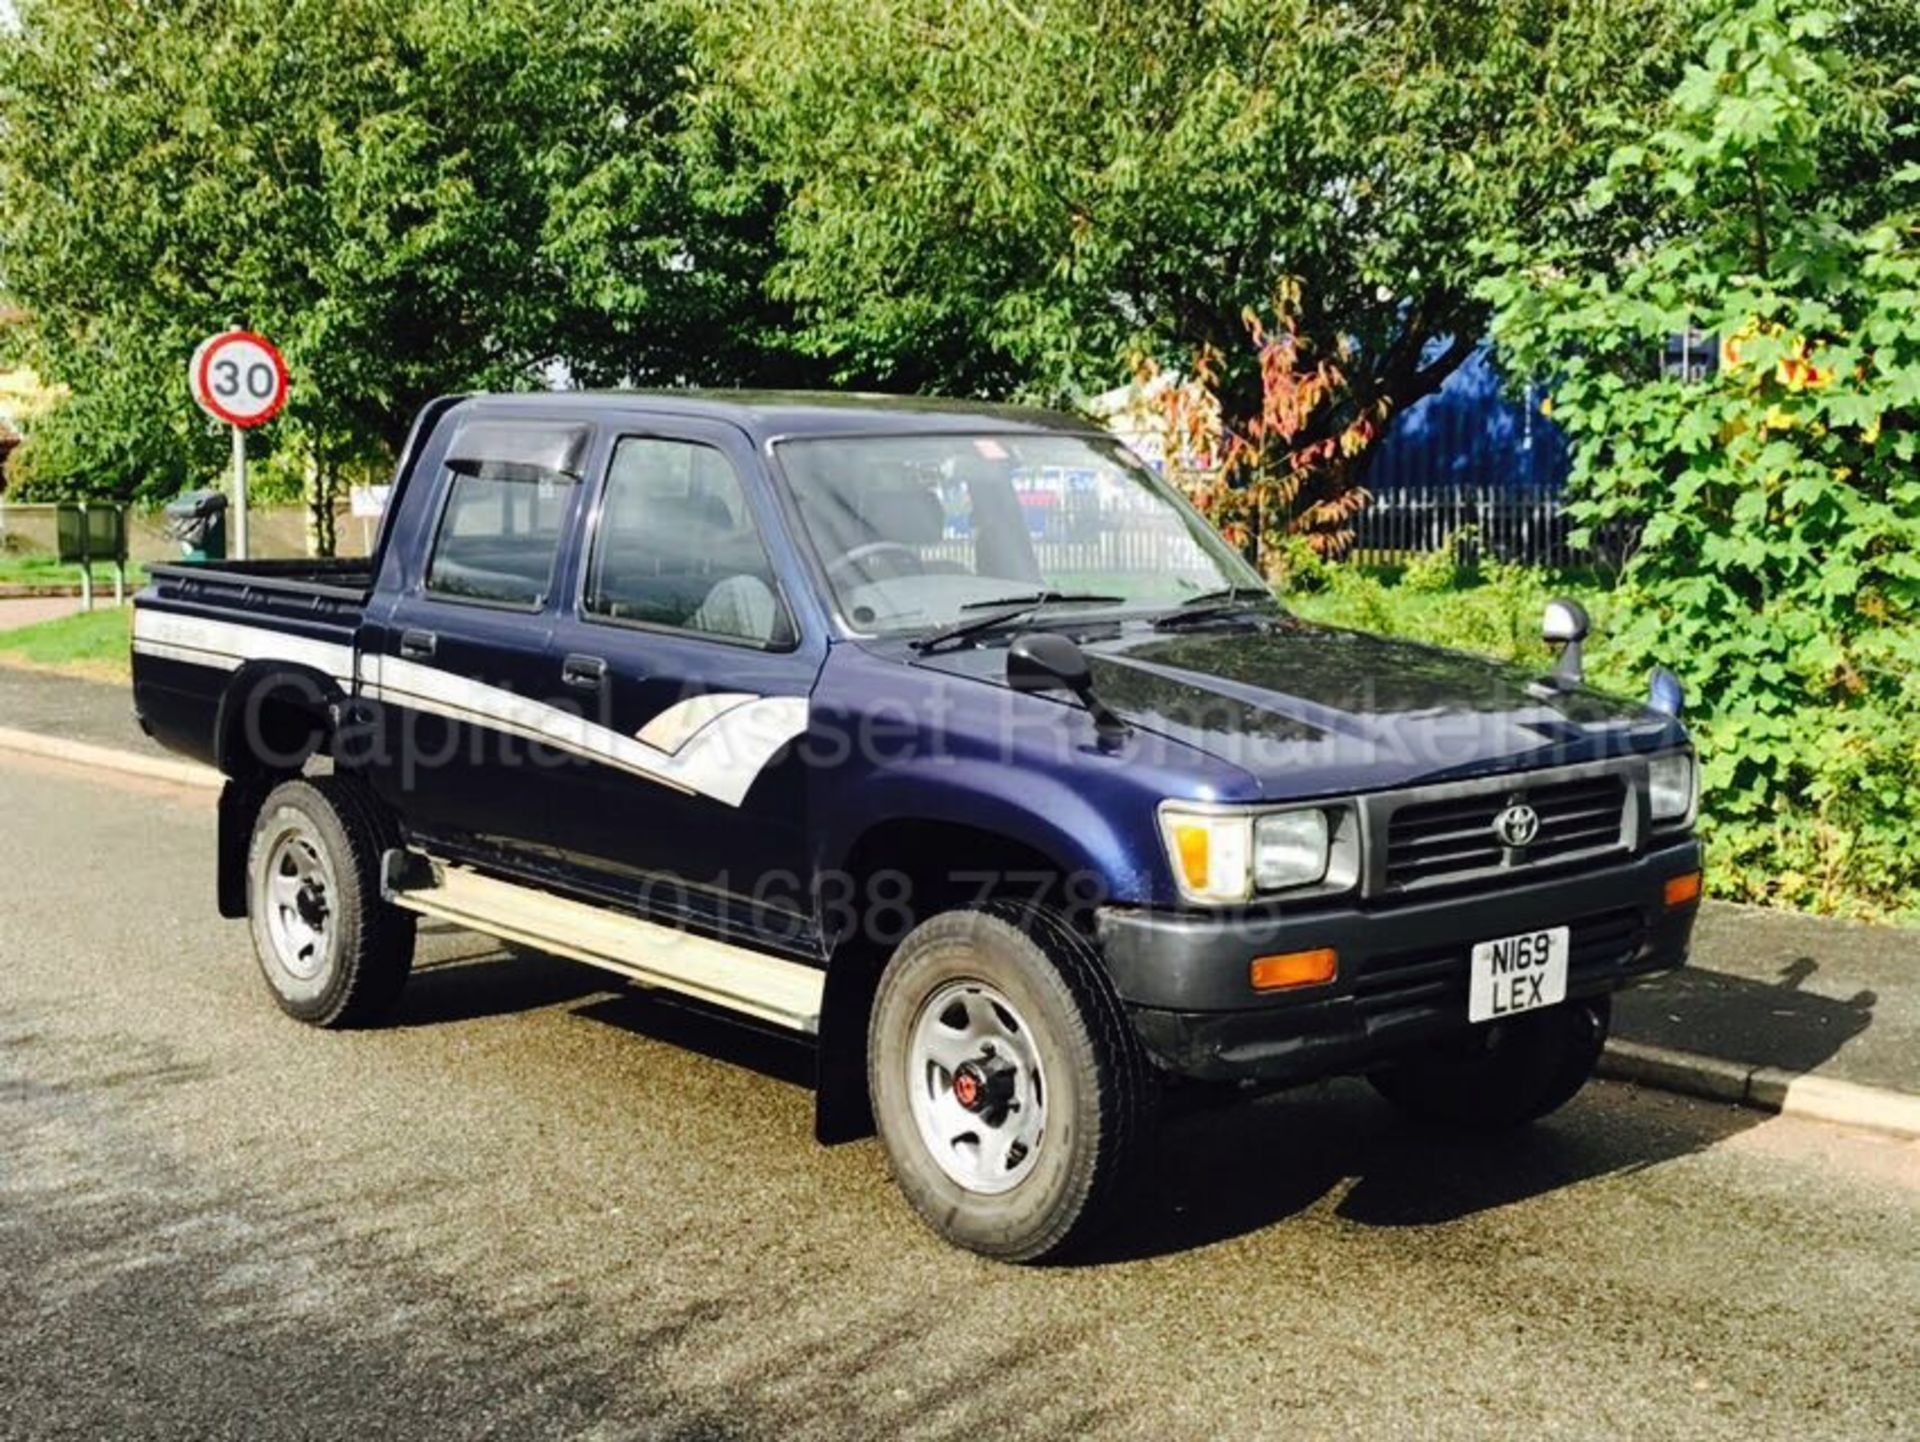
[537,1207]
[80,710]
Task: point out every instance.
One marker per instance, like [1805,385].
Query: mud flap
[240,803]
[842,1111]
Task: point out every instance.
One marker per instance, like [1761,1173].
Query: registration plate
[1518,973]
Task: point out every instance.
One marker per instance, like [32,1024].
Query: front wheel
[333,952]
[1007,1086]
[1511,1073]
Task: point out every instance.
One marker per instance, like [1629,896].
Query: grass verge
[40,569]
[93,644]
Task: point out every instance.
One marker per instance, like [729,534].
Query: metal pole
[86,559]
[120,558]
[239,494]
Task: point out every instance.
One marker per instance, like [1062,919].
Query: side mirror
[1565,625]
[1047,661]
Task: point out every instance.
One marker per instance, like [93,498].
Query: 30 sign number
[239,377]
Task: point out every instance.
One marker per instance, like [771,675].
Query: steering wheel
[865,552]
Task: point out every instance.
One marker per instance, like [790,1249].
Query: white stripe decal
[721,760]
[187,654]
[228,644]
[721,750]
[428,688]
[674,727]
[724,758]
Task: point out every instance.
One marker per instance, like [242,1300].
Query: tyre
[1515,1072]
[1008,1088]
[332,951]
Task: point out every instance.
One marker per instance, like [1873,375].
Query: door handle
[585,672]
[418,645]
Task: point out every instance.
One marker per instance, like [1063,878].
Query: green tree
[1779,565]
[412,198]
[1010,195]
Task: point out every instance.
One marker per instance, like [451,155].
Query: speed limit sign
[238,377]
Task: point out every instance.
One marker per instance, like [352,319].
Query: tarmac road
[526,1211]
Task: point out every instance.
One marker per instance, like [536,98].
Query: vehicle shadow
[464,977]
[1219,1172]
[718,1036]
[1222,1173]
[1223,1169]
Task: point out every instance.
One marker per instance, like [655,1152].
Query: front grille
[1598,945]
[1452,839]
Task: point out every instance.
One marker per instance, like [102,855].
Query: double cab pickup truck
[947,735]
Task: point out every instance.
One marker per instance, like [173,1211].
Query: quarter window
[676,547]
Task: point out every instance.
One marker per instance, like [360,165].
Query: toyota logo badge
[1517,825]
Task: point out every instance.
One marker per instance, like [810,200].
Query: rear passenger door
[459,655]
[682,644]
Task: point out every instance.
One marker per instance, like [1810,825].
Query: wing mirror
[1047,661]
[1566,625]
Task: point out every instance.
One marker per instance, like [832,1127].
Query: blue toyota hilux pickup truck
[948,735]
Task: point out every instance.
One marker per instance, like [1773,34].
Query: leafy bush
[1497,614]
[1841,850]
[1297,568]
[1779,566]
[1454,564]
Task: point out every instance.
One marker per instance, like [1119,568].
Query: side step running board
[784,992]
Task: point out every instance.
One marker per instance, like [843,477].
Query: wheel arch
[994,864]
[272,718]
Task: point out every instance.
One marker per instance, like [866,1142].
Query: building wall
[271,530]
[1469,433]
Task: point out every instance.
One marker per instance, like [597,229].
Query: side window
[507,507]
[677,547]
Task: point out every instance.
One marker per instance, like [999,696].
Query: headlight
[1226,856]
[1289,849]
[1670,786]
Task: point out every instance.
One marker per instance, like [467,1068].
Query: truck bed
[317,599]
[199,626]
[233,582]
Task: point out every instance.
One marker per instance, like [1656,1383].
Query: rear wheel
[1007,1086]
[1512,1072]
[332,951]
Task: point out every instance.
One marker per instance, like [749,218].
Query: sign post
[239,493]
[240,378]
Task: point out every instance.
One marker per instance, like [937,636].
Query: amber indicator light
[1294,968]
[1682,889]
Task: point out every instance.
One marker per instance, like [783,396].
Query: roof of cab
[771,415]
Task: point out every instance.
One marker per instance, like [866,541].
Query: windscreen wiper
[1209,604]
[1002,611]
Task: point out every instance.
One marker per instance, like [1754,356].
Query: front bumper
[1401,983]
